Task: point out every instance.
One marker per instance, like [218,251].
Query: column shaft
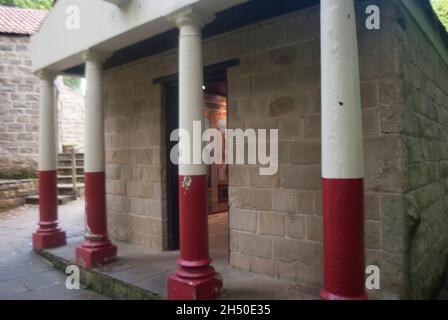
[48,235]
[192,177]
[342,154]
[94,152]
[96,249]
[195,279]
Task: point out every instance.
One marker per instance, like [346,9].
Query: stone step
[65,171]
[68,179]
[68,163]
[62,199]
[69,185]
[98,280]
[67,188]
[70,168]
[68,156]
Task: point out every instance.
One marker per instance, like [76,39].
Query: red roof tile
[21,21]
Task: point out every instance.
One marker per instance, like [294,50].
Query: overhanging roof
[105,26]
[139,28]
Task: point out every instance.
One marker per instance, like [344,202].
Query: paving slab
[136,274]
[142,269]
[24,275]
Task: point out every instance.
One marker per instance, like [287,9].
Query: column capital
[99,56]
[191,15]
[47,75]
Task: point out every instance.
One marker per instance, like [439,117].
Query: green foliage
[441,8]
[18,174]
[72,82]
[31,4]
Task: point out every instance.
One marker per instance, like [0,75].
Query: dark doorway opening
[172,170]
[215,111]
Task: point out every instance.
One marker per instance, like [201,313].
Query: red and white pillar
[96,249]
[48,235]
[194,279]
[342,154]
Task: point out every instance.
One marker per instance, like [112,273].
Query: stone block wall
[276,221]
[13,193]
[19,110]
[19,98]
[136,201]
[421,93]
[71,112]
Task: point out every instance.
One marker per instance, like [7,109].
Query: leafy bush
[72,82]
[441,8]
[31,4]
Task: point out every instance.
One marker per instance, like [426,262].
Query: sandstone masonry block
[295,226]
[286,250]
[255,245]
[284,200]
[255,199]
[243,220]
[271,223]
[240,261]
[300,177]
[264,266]
[306,152]
[314,229]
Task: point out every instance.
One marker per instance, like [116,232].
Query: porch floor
[148,270]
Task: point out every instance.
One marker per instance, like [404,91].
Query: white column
[342,139]
[191,95]
[96,249]
[47,122]
[94,117]
[195,278]
[48,235]
[342,154]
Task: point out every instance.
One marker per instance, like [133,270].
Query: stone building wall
[71,112]
[276,221]
[19,98]
[19,110]
[422,97]
[136,201]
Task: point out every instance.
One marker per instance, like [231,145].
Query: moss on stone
[18,174]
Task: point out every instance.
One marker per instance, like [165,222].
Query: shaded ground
[148,270]
[25,275]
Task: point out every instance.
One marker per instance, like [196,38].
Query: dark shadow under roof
[233,18]
[236,17]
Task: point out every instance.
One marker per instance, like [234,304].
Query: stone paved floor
[143,268]
[23,274]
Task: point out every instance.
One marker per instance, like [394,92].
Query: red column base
[344,271]
[208,288]
[48,239]
[95,253]
[325,295]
